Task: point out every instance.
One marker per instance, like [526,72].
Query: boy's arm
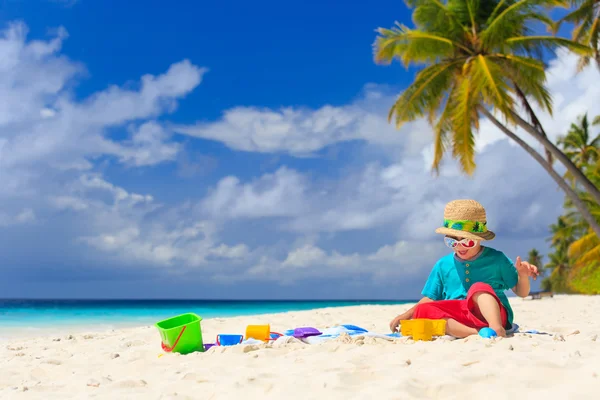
[522,287]
[524,270]
[407,314]
[516,276]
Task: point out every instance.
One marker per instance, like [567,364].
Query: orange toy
[261,332]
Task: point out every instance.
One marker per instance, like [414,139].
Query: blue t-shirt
[452,277]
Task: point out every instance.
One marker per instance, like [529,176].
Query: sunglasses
[466,243]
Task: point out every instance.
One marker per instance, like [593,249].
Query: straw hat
[465,219]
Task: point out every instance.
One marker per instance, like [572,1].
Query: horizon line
[190,299]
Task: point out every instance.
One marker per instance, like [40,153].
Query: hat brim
[489,235]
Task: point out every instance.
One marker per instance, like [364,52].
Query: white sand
[125,364]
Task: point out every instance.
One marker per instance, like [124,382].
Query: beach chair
[539,295]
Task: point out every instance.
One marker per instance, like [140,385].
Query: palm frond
[530,44]
[441,130]
[435,16]
[581,11]
[583,245]
[511,19]
[424,93]
[529,75]
[464,117]
[411,46]
[489,81]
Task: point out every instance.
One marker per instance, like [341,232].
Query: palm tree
[559,265]
[579,145]
[586,18]
[563,232]
[585,250]
[478,56]
[584,149]
[536,259]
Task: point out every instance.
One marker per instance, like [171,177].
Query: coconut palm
[535,258]
[585,250]
[584,149]
[563,232]
[580,145]
[586,20]
[478,57]
[559,266]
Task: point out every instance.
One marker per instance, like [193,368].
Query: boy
[466,287]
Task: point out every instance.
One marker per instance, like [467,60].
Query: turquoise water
[36,314]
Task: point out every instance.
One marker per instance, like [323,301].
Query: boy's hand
[395,324]
[526,269]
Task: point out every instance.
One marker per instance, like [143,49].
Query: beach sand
[125,363]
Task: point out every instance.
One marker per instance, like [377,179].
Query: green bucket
[181,334]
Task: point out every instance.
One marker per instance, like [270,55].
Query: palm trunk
[579,204]
[559,155]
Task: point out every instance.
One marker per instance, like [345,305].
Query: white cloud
[41,123]
[24,216]
[239,251]
[68,202]
[138,229]
[273,195]
[302,131]
[403,259]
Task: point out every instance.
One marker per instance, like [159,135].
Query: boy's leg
[458,330]
[486,307]
[453,311]
[490,311]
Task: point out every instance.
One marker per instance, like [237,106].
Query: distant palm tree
[585,250]
[586,20]
[479,56]
[536,259]
[580,145]
[584,149]
[563,232]
[559,266]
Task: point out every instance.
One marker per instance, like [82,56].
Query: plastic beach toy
[261,332]
[423,329]
[208,345]
[229,340]
[354,328]
[487,333]
[181,334]
[304,332]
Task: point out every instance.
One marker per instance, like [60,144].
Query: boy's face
[464,248]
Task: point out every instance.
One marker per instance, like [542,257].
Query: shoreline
[12,333]
[128,315]
[129,362]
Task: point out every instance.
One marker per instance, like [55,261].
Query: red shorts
[464,311]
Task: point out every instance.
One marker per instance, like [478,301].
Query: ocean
[37,315]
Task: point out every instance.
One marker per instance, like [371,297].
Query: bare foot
[500,331]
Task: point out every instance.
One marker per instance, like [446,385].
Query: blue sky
[234,150]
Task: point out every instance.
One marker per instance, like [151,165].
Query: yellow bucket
[423,329]
[258,332]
